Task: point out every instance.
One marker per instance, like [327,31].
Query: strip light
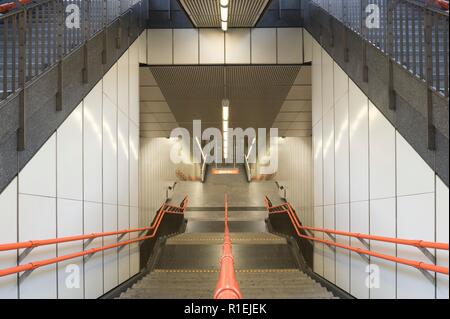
[224,5]
[225,125]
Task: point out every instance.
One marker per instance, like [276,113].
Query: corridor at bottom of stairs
[188,265]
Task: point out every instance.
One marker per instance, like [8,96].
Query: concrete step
[217,238]
[279,284]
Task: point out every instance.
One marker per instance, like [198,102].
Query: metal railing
[39,34]
[413,33]
[165,209]
[363,238]
[227,285]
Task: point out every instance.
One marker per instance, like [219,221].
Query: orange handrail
[408,242]
[5,7]
[227,285]
[287,209]
[36,243]
[443,4]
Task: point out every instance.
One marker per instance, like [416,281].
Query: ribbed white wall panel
[295,172]
[156,174]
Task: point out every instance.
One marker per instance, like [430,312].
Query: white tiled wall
[8,234]
[84,179]
[371,181]
[237,46]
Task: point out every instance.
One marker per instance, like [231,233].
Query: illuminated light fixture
[224,26]
[225,113]
[224,14]
[225,126]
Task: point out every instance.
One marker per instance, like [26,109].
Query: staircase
[188,266]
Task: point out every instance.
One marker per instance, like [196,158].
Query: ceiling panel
[206,13]
[256,93]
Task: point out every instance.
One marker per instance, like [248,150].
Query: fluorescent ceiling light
[225,126]
[225,113]
[224,26]
[224,13]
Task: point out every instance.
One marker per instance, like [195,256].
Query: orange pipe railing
[5,7]
[443,4]
[227,285]
[165,209]
[287,209]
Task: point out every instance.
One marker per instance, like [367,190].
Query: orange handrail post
[288,209]
[227,285]
[36,243]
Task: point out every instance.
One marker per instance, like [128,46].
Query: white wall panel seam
[103,190]
[56,215]
[83,196]
[434,251]
[369,186]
